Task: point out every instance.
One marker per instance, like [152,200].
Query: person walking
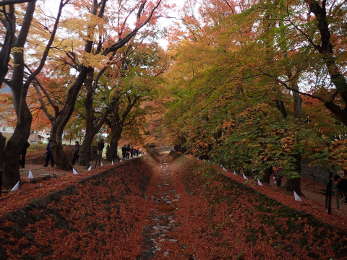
[49,154]
[128,148]
[76,152]
[124,152]
[100,147]
[23,153]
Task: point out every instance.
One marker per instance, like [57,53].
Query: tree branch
[122,42]
[284,84]
[43,105]
[46,94]
[48,46]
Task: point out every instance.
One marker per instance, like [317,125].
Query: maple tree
[107,30]
[230,58]
[105,94]
[230,81]
[18,21]
[139,81]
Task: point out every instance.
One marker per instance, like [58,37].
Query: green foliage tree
[238,84]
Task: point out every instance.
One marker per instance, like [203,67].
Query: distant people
[49,154]
[129,148]
[108,153]
[22,153]
[341,186]
[124,151]
[127,151]
[76,152]
[203,157]
[100,147]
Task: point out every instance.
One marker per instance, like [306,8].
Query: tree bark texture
[86,150]
[116,134]
[13,147]
[267,174]
[325,48]
[93,124]
[294,184]
[10,25]
[19,92]
[59,123]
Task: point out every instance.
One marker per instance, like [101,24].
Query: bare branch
[46,94]
[48,46]
[284,84]
[122,42]
[43,106]
[308,38]
[229,5]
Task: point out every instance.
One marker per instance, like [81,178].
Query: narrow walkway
[162,219]
[168,207]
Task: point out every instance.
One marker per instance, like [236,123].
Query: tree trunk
[116,133]
[267,175]
[339,113]
[86,150]
[61,119]
[61,160]
[297,100]
[294,184]
[5,52]
[325,48]
[11,159]
[21,133]
[281,107]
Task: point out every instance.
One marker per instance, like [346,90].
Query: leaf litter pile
[100,217]
[221,218]
[105,216]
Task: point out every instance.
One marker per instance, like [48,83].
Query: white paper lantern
[30,175]
[74,171]
[15,187]
[297,197]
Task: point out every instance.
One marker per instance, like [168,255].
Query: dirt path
[165,208]
[207,216]
[159,240]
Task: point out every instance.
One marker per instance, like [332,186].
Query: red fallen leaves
[309,207]
[30,191]
[234,222]
[101,218]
